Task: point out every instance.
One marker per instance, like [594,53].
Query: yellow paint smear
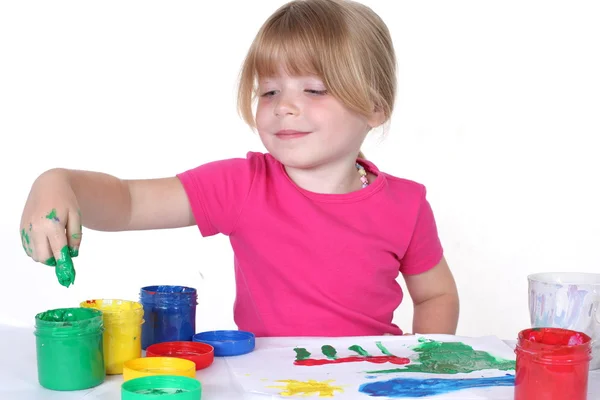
[308,388]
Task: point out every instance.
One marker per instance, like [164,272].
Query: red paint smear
[90,301]
[372,359]
[556,337]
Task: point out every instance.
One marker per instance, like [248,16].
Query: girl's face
[303,126]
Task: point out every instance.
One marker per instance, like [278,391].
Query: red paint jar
[552,364]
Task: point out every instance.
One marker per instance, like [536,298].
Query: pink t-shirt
[309,264]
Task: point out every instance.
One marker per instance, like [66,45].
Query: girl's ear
[376,118]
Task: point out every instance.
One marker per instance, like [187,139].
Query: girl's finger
[65,272]
[74,233]
[41,250]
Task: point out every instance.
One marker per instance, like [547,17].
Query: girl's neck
[333,178]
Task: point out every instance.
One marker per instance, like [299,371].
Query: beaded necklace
[363,175]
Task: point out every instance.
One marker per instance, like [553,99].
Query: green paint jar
[173,387]
[70,355]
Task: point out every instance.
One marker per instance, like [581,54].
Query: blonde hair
[343,42]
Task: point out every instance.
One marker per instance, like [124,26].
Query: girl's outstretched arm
[435,298]
[61,201]
[108,203]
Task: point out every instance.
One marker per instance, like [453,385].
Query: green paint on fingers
[65,272]
[359,350]
[26,242]
[301,353]
[76,236]
[74,251]
[51,262]
[329,352]
[52,215]
[25,236]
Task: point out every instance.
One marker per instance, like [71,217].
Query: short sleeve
[217,192]
[424,249]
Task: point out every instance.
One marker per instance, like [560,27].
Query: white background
[497,114]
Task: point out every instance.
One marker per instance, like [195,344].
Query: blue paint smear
[406,387]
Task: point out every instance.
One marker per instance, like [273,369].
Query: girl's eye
[317,92]
[268,94]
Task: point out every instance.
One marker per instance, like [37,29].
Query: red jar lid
[201,353]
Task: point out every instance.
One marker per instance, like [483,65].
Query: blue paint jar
[169,314]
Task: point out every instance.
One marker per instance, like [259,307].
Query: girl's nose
[286,105]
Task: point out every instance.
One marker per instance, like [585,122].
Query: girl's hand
[51,225]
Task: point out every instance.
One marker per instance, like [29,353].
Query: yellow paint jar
[150,366]
[123,321]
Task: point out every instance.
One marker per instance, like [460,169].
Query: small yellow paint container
[123,321]
[150,366]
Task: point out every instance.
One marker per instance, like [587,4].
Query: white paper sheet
[408,367]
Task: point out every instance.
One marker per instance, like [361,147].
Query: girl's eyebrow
[310,78]
[266,81]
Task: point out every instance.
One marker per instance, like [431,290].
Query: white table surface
[18,373]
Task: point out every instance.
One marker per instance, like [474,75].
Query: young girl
[319,233]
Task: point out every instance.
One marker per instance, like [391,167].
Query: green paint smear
[25,236]
[359,350]
[52,215]
[73,251]
[26,242]
[301,353]
[161,391]
[65,315]
[76,236]
[64,270]
[383,349]
[329,352]
[51,262]
[451,358]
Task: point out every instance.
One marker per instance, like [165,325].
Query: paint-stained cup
[69,348]
[567,300]
[123,321]
[552,364]
[169,312]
